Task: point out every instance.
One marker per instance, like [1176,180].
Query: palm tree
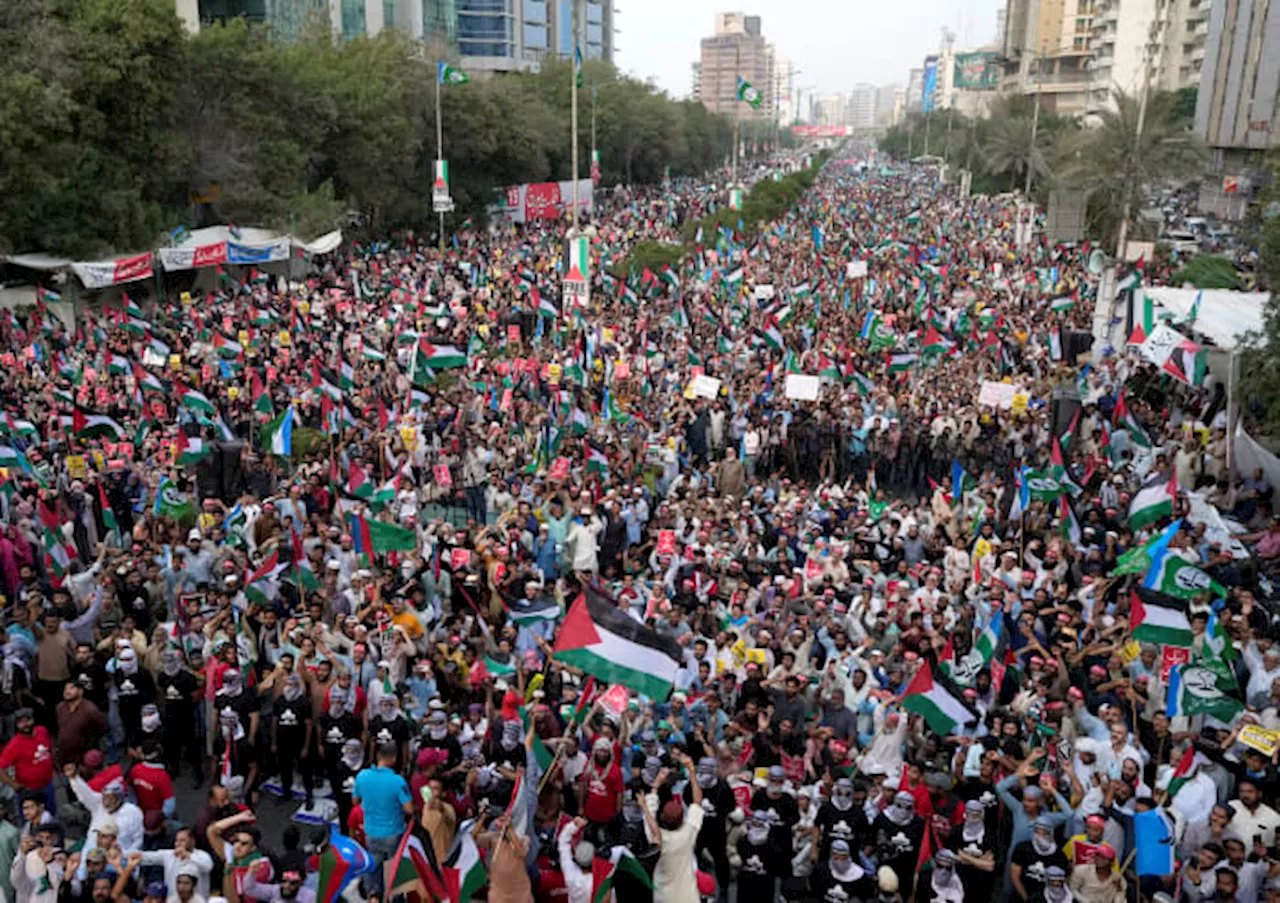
[1011,147]
[1116,165]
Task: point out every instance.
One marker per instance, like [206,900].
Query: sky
[835,43]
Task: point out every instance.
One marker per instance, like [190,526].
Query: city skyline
[833,44]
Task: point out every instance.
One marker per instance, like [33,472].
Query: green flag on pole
[448,75]
[749,94]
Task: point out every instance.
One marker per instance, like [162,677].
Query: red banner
[820,131]
[208,255]
[131,268]
[542,201]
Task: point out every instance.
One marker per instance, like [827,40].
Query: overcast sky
[837,43]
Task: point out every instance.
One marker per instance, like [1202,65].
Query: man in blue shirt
[387,803]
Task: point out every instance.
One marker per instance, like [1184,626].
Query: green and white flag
[1203,687]
[1152,502]
[450,75]
[749,94]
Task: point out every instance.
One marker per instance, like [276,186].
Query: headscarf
[944,881]
[902,809]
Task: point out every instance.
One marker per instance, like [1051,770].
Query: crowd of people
[311,545]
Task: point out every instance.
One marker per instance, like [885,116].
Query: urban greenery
[1100,156]
[117,126]
[1208,271]
[1258,371]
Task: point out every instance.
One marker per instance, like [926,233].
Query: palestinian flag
[1157,617]
[1068,524]
[495,668]
[225,348]
[137,325]
[358,482]
[933,342]
[18,427]
[965,670]
[942,707]
[342,862]
[901,363]
[261,398]
[531,611]
[864,385]
[117,365]
[108,513]
[411,870]
[1153,502]
[58,555]
[189,450]
[1122,418]
[605,871]
[541,752]
[440,357]
[10,456]
[196,400]
[346,376]
[1066,302]
[1186,363]
[598,638]
[89,426]
[1191,759]
[773,338]
[579,422]
[372,536]
[464,872]
[147,381]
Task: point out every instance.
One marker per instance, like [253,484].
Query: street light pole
[1035,124]
[439,150]
[573,110]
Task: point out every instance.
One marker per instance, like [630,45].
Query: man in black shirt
[291,737]
[840,818]
[1031,859]
[718,804]
[388,725]
[176,688]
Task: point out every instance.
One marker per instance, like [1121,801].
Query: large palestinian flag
[942,706]
[598,638]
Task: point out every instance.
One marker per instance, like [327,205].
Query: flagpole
[439,149]
[733,172]
[573,110]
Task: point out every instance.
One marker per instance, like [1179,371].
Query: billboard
[977,71]
[930,84]
[821,131]
[541,200]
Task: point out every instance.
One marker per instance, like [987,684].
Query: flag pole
[439,149]
[573,111]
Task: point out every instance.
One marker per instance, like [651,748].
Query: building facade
[488,35]
[737,49]
[1047,50]
[862,107]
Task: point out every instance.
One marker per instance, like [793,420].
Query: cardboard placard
[459,558]
[1259,738]
[803,387]
[1170,656]
[996,394]
[559,469]
[1020,402]
[442,476]
[764,292]
[666,542]
[513,332]
[705,386]
[77,466]
[856,269]
[615,699]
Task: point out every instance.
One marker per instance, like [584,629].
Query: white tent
[1224,316]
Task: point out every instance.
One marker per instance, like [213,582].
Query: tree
[1115,165]
[1012,147]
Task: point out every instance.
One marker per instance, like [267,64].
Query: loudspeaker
[1064,406]
[1075,343]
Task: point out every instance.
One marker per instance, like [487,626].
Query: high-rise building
[915,90]
[784,90]
[696,82]
[887,106]
[738,49]
[489,35]
[1046,50]
[1236,112]
[862,107]
[832,110]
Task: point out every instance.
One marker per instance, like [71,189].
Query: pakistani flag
[1203,687]
[749,94]
[448,75]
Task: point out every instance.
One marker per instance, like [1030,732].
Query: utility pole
[737,74]
[573,111]
[439,153]
[1122,237]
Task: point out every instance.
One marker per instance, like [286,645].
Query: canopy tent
[1224,316]
[204,247]
[225,244]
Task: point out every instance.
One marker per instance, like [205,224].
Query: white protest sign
[856,269]
[1160,344]
[803,387]
[1216,530]
[764,292]
[706,386]
[996,394]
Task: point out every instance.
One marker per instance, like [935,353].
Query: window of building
[595,13]
[352,18]
[535,37]
[595,34]
[535,12]
[564,27]
[482,6]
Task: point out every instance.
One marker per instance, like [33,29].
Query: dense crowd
[318,546]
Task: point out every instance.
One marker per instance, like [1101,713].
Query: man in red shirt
[601,785]
[151,783]
[30,754]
